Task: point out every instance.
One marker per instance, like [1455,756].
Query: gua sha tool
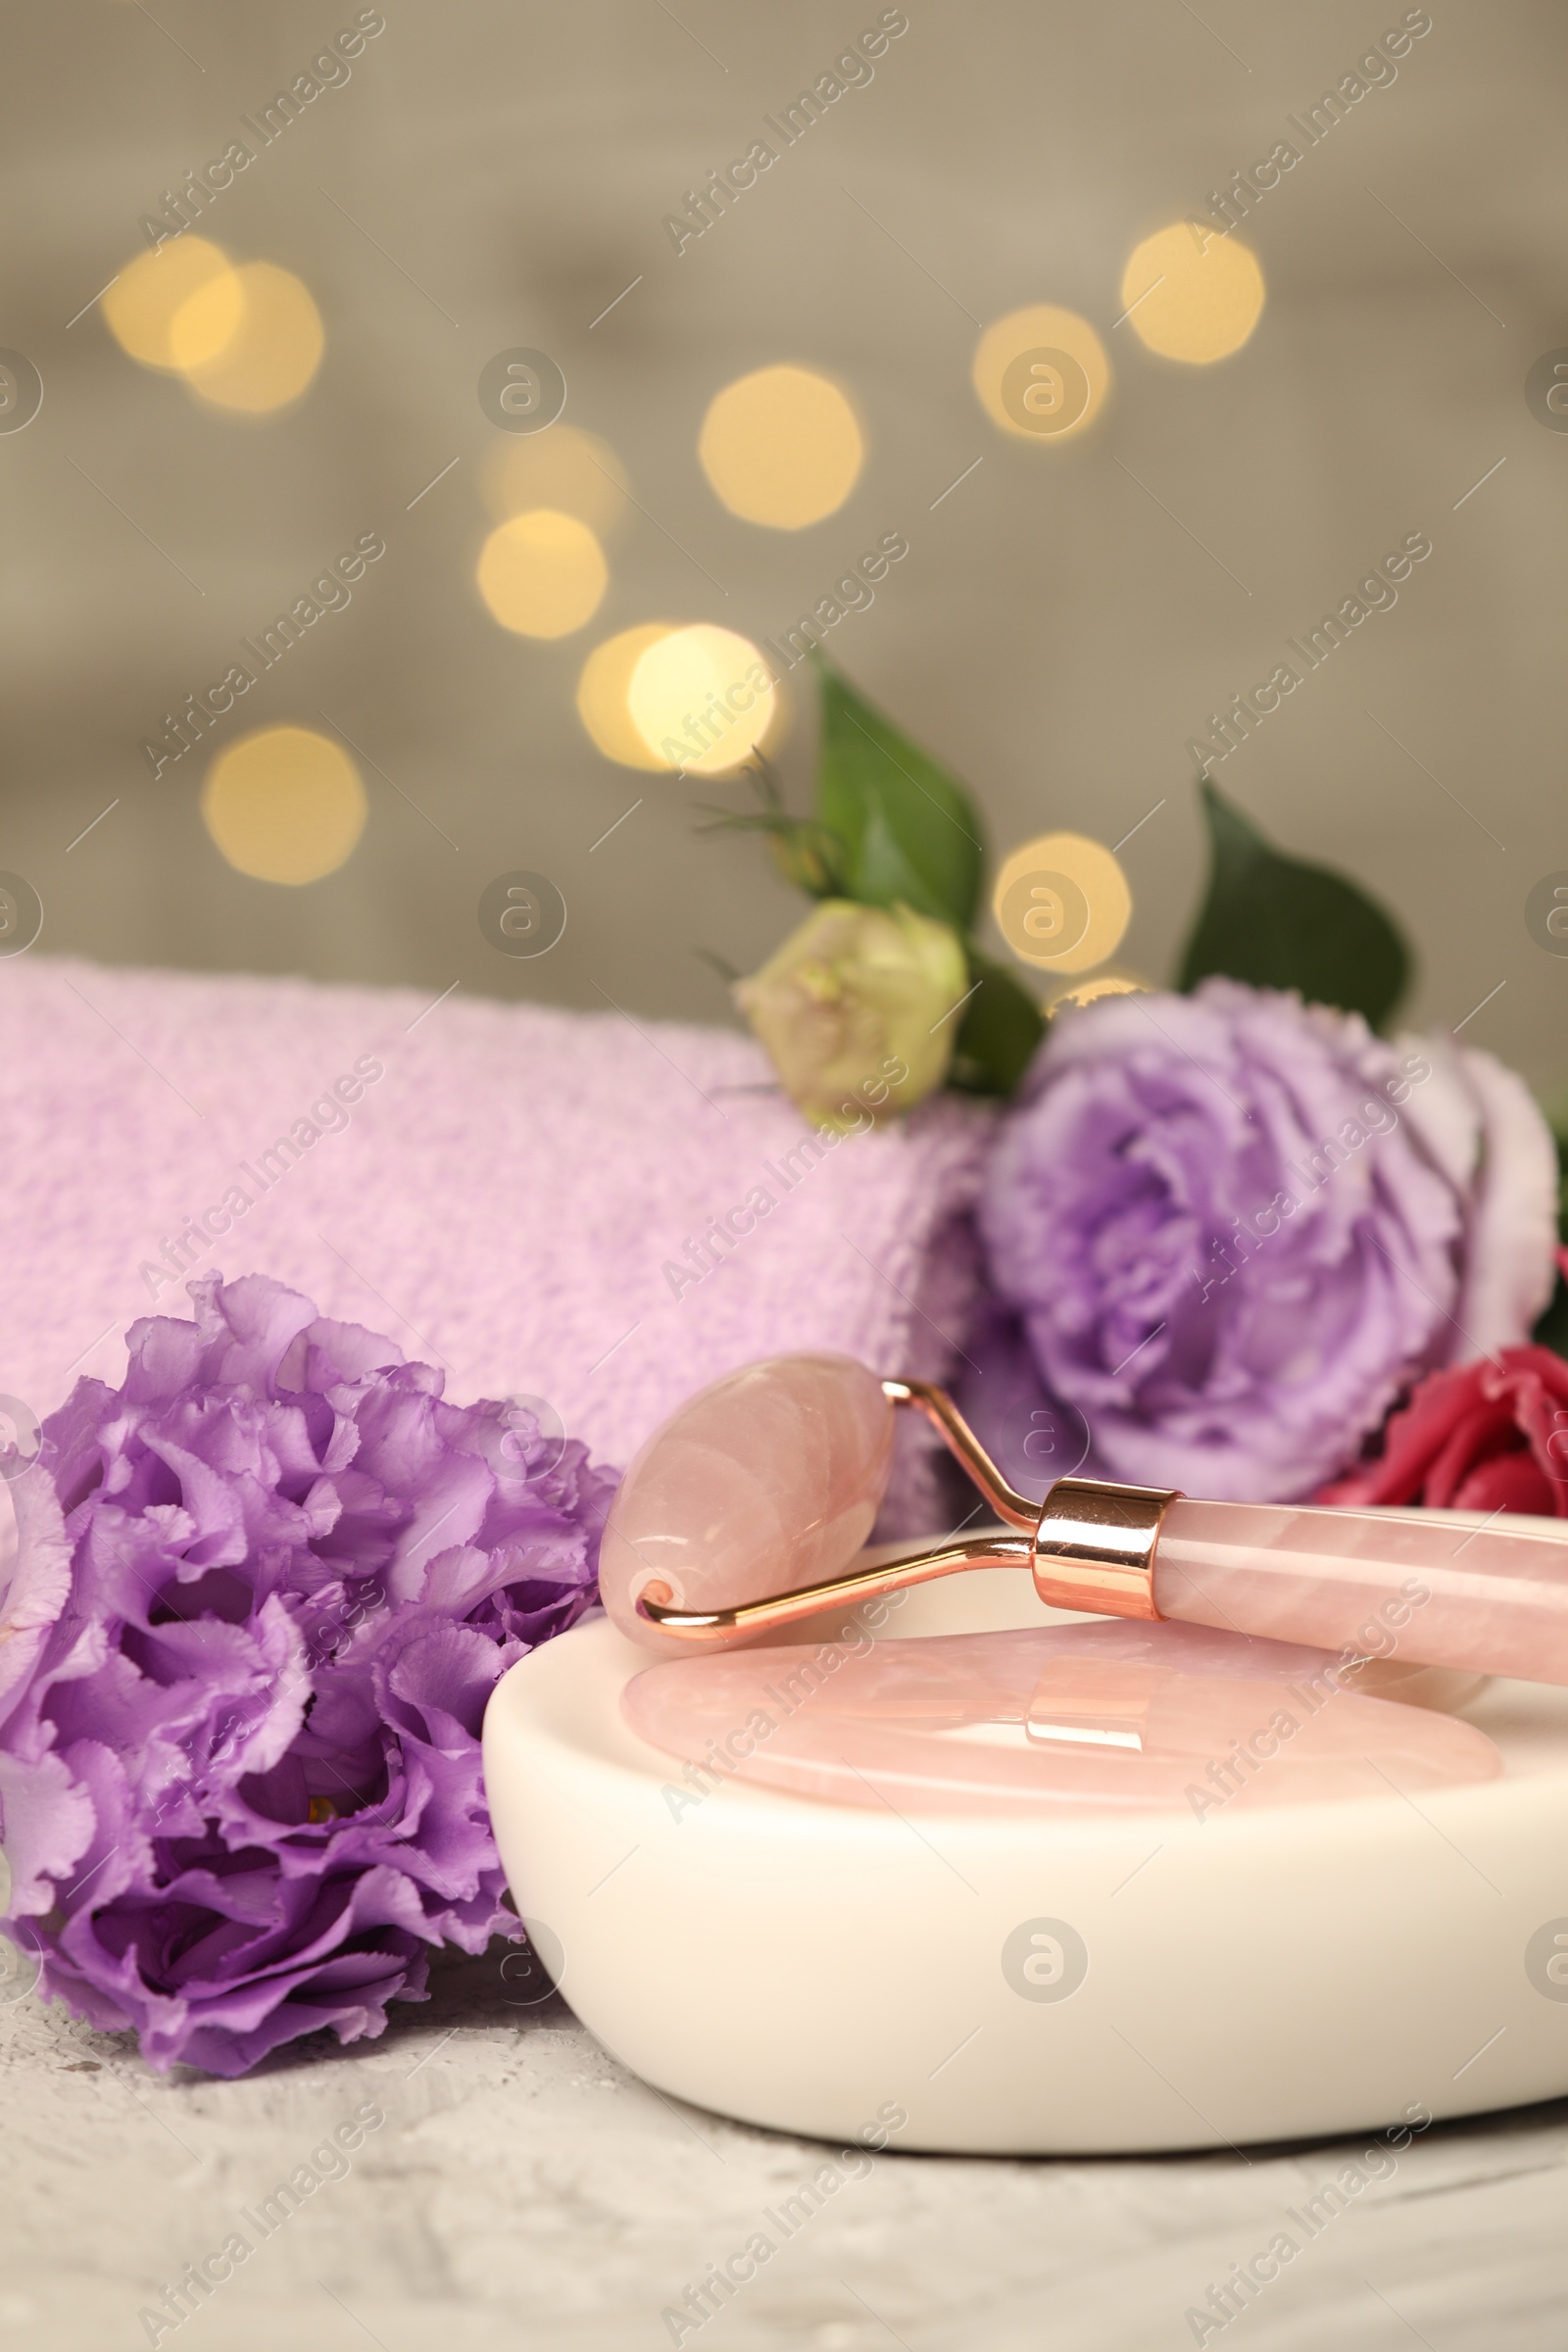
[1070,1720]
[743,1513]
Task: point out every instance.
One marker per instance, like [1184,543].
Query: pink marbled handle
[1494,1598]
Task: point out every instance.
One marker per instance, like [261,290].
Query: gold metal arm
[1090,1544]
[840,1591]
[959,1439]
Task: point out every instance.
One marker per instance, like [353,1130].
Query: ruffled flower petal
[259,1598]
[1232,1229]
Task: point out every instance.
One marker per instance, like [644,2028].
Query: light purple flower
[261,1597]
[1233,1227]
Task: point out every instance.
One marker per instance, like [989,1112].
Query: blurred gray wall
[1065,619]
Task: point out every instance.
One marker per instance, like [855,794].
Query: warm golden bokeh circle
[702,698]
[602,689]
[1061,903]
[781,447]
[1090,992]
[564,469]
[284,804]
[543,574]
[274,351]
[177,307]
[1041,372]
[208,321]
[1192,294]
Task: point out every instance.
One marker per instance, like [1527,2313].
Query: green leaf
[1001,1027]
[1278,923]
[909,832]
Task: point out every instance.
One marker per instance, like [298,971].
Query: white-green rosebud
[853,1010]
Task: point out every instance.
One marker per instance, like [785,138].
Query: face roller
[744,1512]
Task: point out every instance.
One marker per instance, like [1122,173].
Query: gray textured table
[524,2190]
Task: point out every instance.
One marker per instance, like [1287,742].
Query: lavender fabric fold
[595,1210]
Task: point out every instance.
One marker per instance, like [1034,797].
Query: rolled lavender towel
[589,1208]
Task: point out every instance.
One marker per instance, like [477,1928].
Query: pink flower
[1486,1437]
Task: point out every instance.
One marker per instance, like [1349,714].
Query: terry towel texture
[511,1196]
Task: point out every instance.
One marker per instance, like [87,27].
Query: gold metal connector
[1094,1547]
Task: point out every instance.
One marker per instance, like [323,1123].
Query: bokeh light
[543,574]
[702,698]
[1061,903]
[603,690]
[1103,984]
[781,447]
[284,804]
[565,468]
[274,352]
[1041,372]
[177,307]
[1192,294]
[207,322]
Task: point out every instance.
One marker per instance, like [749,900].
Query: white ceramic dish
[1254,1976]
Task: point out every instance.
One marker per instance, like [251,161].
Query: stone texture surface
[1495,1602]
[1074,1718]
[526,2191]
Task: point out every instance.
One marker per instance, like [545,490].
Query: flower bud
[854,1010]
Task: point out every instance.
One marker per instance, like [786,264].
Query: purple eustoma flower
[259,1598]
[1228,1229]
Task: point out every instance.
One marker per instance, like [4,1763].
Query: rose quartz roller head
[770,1478]
[744,1512]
